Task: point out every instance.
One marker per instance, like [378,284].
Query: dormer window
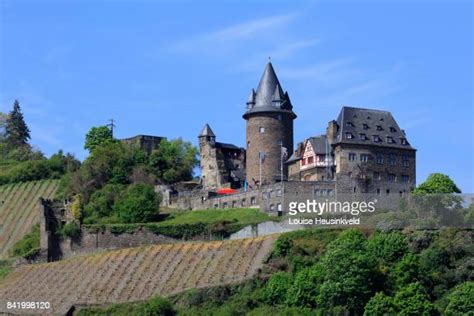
[363,137]
[354,116]
[376,138]
[379,128]
[393,129]
[349,124]
[381,119]
[404,141]
[349,135]
[368,117]
[365,126]
[390,140]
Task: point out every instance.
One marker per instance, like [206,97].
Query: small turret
[278,97]
[251,99]
[207,134]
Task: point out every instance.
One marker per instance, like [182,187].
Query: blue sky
[168,68]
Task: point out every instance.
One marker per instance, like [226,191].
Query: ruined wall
[210,173]
[145,142]
[104,239]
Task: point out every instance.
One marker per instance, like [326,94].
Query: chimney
[331,132]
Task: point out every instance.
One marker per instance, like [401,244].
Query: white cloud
[229,37]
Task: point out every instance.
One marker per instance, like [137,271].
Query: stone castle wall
[104,239]
[278,130]
[360,175]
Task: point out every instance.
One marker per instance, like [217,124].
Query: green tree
[17,131]
[380,304]
[406,271]
[98,136]
[412,300]
[106,162]
[387,247]
[437,183]
[174,161]
[305,289]
[101,203]
[138,204]
[350,274]
[461,300]
[276,288]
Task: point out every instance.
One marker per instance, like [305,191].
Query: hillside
[17,209]
[135,273]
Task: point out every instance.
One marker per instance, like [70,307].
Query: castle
[362,151]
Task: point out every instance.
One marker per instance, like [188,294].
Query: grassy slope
[18,212]
[135,274]
[242,216]
[189,224]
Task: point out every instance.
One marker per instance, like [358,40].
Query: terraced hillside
[17,209]
[135,274]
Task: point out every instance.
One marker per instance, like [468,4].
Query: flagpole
[281,179]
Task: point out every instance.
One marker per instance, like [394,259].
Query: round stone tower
[269,118]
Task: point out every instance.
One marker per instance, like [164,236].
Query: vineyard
[17,209]
[135,274]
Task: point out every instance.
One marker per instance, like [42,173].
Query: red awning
[226,191]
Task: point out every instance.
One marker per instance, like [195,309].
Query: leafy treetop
[437,183]
[97,136]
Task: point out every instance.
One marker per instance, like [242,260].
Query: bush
[101,203]
[29,245]
[138,204]
[461,300]
[405,271]
[379,304]
[156,306]
[5,268]
[305,289]
[276,288]
[413,300]
[77,208]
[388,247]
[71,230]
[283,245]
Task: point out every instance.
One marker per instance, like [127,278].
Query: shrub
[283,245]
[77,208]
[5,268]
[71,230]
[27,246]
[388,247]
[158,306]
[405,271]
[139,203]
[413,300]
[102,202]
[305,288]
[276,288]
[379,304]
[460,301]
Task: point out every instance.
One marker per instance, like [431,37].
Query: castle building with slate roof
[362,151]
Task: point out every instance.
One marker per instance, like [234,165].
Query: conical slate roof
[269,96]
[207,131]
